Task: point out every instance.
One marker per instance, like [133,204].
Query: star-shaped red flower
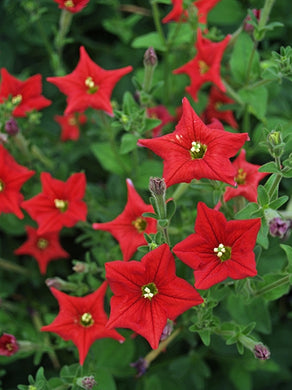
[147,293]
[60,204]
[26,95]
[70,125]
[219,248]
[178,13]
[12,177]
[72,5]
[195,151]
[44,248]
[162,113]
[247,179]
[82,320]
[205,66]
[89,85]
[216,100]
[129,227]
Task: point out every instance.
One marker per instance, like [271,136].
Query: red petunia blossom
[44,248]
[129,227]
[178,13]
[162,113]
[247,179]
[89,85]
[60,204]
[205,66]
[216,100]
[82,320]
[72,5]
[219,248]
[8,344]
[12,177]
[25,95]
[147,293]
[194,151]
[70,125]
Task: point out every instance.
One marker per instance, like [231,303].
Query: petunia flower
[72,5]
[60,204]
[147,293]
[70,125]
[82,320]
[219,248]
[216,100]
[178,13]
[247,179]
[12,177]
[44,248]
[89,85]
[195,151]
[162,113]
[8,344]
[129,227]
[25,95]
[205,66]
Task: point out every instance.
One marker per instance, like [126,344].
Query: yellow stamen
[2,185]
[140,224]
[69,4]
[203,67]
[17,99]
[241,176]
[42,243]
[61,204]
[149,290]
[86,320]
[92,87]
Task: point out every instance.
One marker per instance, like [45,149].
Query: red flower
[159,112]
[205,66]
[247,179]
[43,248]
[216,100]
[82,320]
[59,204]
[12,177]
[147,293]
[89,85]
[8,344]
[219,248]
[72,5]
[70,125]
[179,14]
[26,95]
[129,227]
[194,151]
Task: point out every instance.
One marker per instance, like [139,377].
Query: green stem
[155,352]
[230,91]
[259,83]
[8,266]
[275,185]
[182,187]
[156,19]
[272,286]
[265,13]
[251,57]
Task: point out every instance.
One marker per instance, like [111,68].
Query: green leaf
[205,336]
[109,160]
[256,99]
[104,379]
[240,58]
[151,123]
[151,39]
[275,204]
[128,143]
[246,212]
[262,238]
[288,251]
[263,196]
[149,215]
[170,208]
[270,183]
[240,377]
[269,167]
[163,222]
[145,170]
[273,286]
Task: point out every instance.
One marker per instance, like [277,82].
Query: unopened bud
[261,352]
[167,330]
[11,126]
[56,282]
[247,26]
[150,58]
[141,366]
[80,267]
[279,228]
[87,382]
[275,143]
[157,186]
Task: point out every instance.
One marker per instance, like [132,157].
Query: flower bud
[150,58]
[80,267]
[56,282]
[279,228]
[141,366]
[261,352]
[157,186]
[87,382]
[275,143]
[8,344]
[167,330]
[11,126]
[247,26]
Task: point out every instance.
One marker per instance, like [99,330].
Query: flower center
[69,4]
[149,290]
[140,224]
[72,122]
[2,185]
[223,252]
[42,243]
[218,105]
[9,347]
[86,320]
[197,150]
[241,176]
[61,204]
[16,99]
[92,87]
[203,67]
